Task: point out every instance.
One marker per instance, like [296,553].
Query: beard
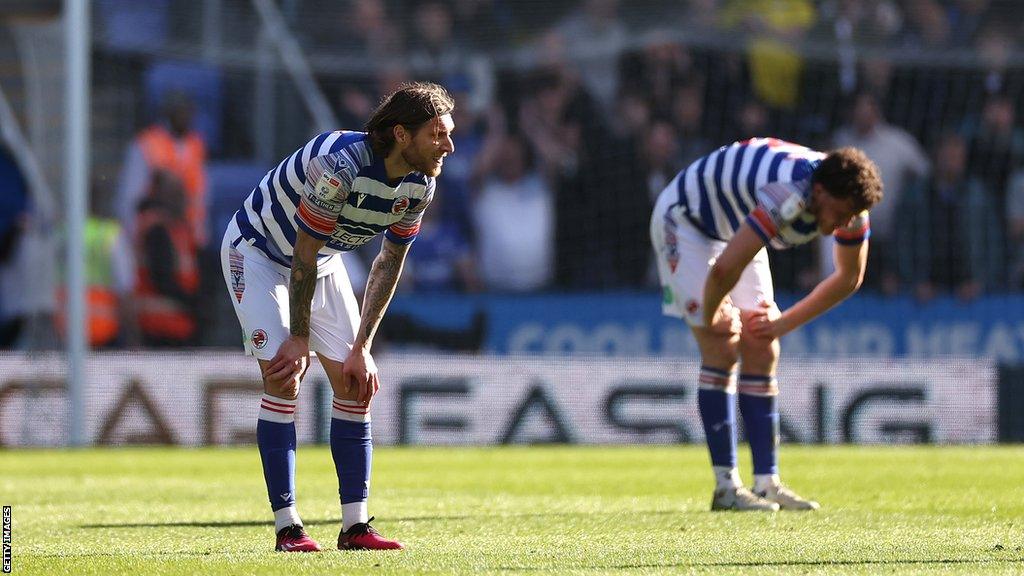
[421,162]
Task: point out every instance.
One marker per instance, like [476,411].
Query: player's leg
[758,401]
[716,401]
[683,257]
[276,439]
[758,388]
[716,395]
[332,332]
[255,289]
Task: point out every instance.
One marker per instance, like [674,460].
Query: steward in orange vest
[180,151]
[102,302]
[167,276]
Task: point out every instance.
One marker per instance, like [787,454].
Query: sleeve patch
[762,224]
[323,196]
[327,191]
[791,208]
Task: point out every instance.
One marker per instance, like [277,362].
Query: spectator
[901,162]
[171,145]
[996,144]
[487,25]
[553,119]
[702,15]
[656,70]
[875,75]
[355,102]
[632,114]
[951,229]
[594,36]
[850,23]
[966,18]
[863,22]
[611,207]
[927,25]
[166,269]
[434,50]
[687,115]
[369,33]
[995,47]
[751,121]
[660,154]
[515,254]
[461,171]
[775,26]
[110,318]
[108,268]
[444,257]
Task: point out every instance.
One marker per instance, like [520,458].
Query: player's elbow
[723,276]
[306,247]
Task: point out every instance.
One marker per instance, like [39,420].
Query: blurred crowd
[577,137]
[573,115]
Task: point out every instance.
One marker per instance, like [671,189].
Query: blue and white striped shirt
[764,181]
[335,190]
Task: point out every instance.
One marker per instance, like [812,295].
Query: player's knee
[759,351]
[350,393]
[289,389]
[723,353]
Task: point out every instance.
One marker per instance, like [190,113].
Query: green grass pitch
[560,510]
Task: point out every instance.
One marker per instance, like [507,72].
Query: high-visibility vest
[101,300]
[158,315]
[186,159]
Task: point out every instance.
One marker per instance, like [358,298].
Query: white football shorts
[258,288]
[685,255]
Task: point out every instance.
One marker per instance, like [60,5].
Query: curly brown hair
[411,105]
[847,173]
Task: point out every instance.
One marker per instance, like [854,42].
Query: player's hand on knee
[765,321]
[727,320]
[287,366]
[361,371]
[289,388]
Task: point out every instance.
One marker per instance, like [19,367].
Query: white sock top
[284,517]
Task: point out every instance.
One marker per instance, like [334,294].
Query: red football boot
[364,537]
[294,539]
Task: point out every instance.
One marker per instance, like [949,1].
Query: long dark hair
[411,105]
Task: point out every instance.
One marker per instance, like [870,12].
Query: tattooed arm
[292,358]
[380,287]
[302,282]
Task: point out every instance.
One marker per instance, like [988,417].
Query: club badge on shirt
[259,338]
[401,205]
